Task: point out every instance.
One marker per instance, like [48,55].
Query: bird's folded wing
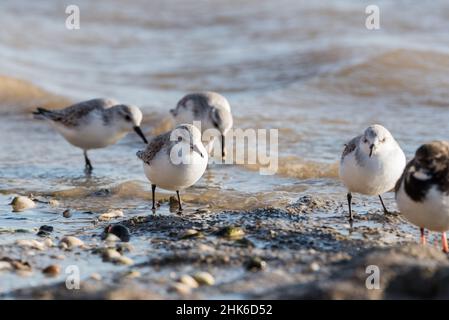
[350,146]
[154,147]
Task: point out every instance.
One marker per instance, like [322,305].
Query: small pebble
[34,244]
[204,278]
[181,288]
[67,213]
[132,274]
[22,203]
[188,281]
[123,260]
[314,267]
[255,264]
[5,265]
[232,232]
[110,215]
[52,270]
[53,203]
[71,242]
[191,233]
[96,276]
[110,254]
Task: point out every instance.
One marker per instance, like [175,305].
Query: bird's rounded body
[432,212]
[175,165]
[422,193]
[373,175]
[92,133]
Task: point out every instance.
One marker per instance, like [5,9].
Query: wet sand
[304,250]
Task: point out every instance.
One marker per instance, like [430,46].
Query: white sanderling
[211,109]
[174,160]
[371,164]
[422,192]
[94,124]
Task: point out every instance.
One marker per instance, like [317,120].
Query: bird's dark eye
[127,118]
[383,140]
[179,139]
[365,140]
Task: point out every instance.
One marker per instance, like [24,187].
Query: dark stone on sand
[255,264]
[119,230]
[44,231]
[67,213]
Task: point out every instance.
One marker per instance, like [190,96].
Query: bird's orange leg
[423,236]
[444,240]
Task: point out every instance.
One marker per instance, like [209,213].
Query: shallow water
[311,70]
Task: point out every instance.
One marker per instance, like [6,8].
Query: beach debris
[314,266]
[5,266]
[118,230]
[22,203]
[188,281]
[96,276]
[204,278]
[54,203]
[110,254]
[52,270]
[123,260]
[44,231]
[255,264]
[231,232]
[67,213]
[112,214]
[132,274]
[191,233]
[30,243]
[69,242]
[181,288]
[21,266]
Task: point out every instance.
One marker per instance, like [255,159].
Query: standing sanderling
[422,192]
[211,109]
[371,164]
[94,124]
[174,160]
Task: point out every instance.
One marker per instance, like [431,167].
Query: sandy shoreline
[304,250]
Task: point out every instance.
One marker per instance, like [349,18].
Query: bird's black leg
[179,201]
[385,209]
[88,167]
[153,192]
[349,196]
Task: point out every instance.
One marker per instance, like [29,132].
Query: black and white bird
[94,124]
[174,160]
[210,109]
[422,192]
[371,164]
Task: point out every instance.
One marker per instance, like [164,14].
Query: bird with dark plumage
[211,109]
[422,192]
[94,124]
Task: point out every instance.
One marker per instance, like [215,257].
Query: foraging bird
[211,109]
[422,192]
[94,124]
[371,164]
[174,160]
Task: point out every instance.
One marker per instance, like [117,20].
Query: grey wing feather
[350,146]
[153,148]
[70,116]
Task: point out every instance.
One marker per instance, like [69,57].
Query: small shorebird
[211,109]
[371,164]
[422,192]
[94,124]
[174,160]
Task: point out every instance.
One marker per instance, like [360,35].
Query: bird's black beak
[140,133]
[371,147]
[223,152]
[196,149]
